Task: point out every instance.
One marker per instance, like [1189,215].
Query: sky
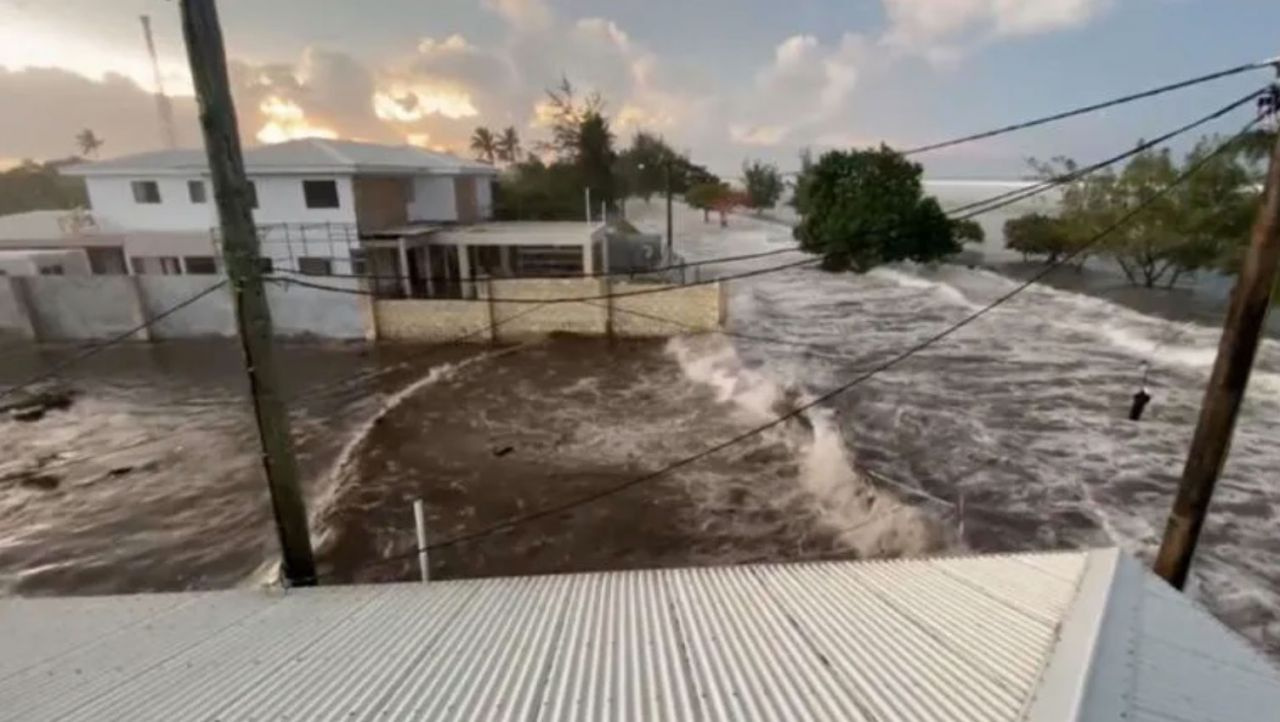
[724,80]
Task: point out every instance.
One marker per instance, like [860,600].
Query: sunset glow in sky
[724,79]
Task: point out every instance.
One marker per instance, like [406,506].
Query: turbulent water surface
[1009,435]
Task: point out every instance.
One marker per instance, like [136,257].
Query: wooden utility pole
[666,176]
[1240,338]
[240,250]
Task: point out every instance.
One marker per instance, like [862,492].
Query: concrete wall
[61,308]
[587,318]
[65,308]
[212,315]
[432,321]
[299,311]
[689,309]
[15,316]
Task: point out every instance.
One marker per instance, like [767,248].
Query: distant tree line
[549,184]
[1201,224]
[33,186]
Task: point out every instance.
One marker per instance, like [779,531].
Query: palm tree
[89,142]
[508,145]
[484,144]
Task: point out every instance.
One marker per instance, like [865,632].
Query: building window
[53,270]
[266,266]
[146,191]
[195,190]
[253,194]
[359,262]
[151,265]
[309,266]
[201,265]
[320,193]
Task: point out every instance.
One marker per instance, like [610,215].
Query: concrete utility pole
[1240,338]
[240,250]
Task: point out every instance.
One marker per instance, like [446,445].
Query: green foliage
[706,197]
[535,191]
[38,186]
[1202,223]
[595,156]
[968,231]
[867,207]
[800,196]
[763,184]
[1036,234]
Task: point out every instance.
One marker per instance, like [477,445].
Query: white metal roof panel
[1046,636]
[314,155]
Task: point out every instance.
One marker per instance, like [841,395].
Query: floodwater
[1010,435]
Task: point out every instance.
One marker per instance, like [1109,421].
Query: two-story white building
[321,206]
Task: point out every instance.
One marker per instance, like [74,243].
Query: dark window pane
[265,265]
[314,266]
[146,191]
[195,189]
[201,265]
[253,194]
[320,193]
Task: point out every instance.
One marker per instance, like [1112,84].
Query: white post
[404,269]
[464,270]
[588,193]
[420,521]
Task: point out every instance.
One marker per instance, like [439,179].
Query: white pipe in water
[420,521]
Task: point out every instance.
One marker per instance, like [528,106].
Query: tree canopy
[706,197]
[33,186]
[484,144]
[863,208]
[581,154]
[1201,223]
[763,184]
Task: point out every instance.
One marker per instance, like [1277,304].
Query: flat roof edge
[1063,685]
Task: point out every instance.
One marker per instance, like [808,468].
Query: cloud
[522,14]
[942,28]
[46,107]
[757,134]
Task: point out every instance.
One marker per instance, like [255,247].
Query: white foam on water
[861,516]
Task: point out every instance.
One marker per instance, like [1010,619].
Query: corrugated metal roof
[1045,636]
[305,155]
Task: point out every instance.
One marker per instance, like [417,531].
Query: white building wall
[433,199]
[484,196]
[280,200]
[111,199]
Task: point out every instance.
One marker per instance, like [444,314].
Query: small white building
[53,262]
[316,203]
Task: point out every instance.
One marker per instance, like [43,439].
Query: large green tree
[763,184]
[867,207]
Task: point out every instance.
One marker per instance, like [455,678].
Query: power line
[986,205]
[95,349]
[1150,93]
[843,388]
[567,299]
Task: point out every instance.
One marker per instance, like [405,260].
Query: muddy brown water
[1012,435]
